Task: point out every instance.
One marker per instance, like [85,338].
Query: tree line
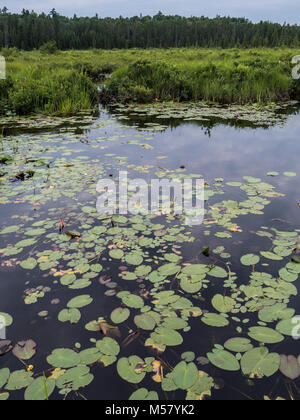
[29,30]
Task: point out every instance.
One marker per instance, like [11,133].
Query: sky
[256,10]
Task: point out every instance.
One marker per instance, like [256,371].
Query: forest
[29,30]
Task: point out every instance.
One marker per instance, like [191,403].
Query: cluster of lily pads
[256,115]
[138,263]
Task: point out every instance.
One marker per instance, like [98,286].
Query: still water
[51,178]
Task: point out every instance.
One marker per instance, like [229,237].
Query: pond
[147,307]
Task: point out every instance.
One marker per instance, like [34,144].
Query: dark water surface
[215,151]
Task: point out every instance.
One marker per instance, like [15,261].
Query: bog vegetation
[64,82]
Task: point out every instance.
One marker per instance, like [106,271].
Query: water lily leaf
[144,395]
[63,358]
[36,390]
[215,320]
[195,269]
[223,304]
[69,315]
[289,367]
[201,388]
[290,174]
[90,356]
[18,380]
[258,363]
[185,375]
[133,301]
[117,254]
[25,350]
[169,269]
[120,315]
[174,323]
[218,272]
[134,259]
[238,345]
[5,347]
[287,275]
[275,313]
[29,264]
[271,256]
[265,335]
[145,322]
[188,356]
[4,375]
[127,369]
[80,302]
[250,259]
[108,346]
[75,378]
[223,360]
[288,327]
[167,336]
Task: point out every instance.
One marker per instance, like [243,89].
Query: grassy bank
[66,82]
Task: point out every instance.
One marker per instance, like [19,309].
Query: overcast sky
[274,10]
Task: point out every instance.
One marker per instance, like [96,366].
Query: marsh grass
[66,82]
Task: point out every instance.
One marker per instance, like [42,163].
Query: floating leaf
[69,315]
[25,350]
[215,320]
[36,390]
[185,375]
[238,345]
[224,360]
[145,322]
[18,380]
[80,302]
[63,358]
[127,369]
[120,315]
[250,259]
[258,363]
[29,264]
[265,335]
[223,304]
[144,395]
[4,375]
[290,367]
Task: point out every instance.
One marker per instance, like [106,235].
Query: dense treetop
[29,30]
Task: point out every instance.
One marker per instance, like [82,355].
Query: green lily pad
[120,315]
[185,375]
[223,304]
[145,322]
[80,302]
[265,335]
[63,358]
[127,369]
[224,360]
[250,259]
[39,389]
[258,363]
[143,394]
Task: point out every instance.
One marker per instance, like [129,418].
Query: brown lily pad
[25,350]
[289,367]
[5,347]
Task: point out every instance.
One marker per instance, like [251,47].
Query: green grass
[66,82]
